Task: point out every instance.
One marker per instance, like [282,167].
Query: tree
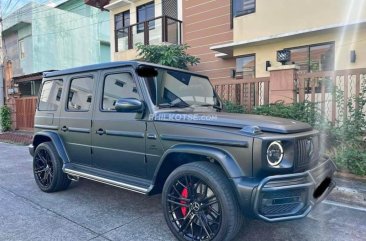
[171,55]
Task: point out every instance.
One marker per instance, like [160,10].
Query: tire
[47,169]
[199,203]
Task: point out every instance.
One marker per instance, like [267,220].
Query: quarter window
[48,100]
[242,7]
[116,86]
[80,94]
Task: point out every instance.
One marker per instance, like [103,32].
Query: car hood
[265,123]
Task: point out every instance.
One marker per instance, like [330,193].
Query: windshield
[172,88]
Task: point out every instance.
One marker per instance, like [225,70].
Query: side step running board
[106,181]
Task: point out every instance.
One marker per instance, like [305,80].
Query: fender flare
[225,159]
[56,141]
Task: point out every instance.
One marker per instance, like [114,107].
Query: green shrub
[231,107]
[5,118]
[346,136]
[306,112]
[172,55]
[351,158]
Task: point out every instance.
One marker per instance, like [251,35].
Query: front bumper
[287,197]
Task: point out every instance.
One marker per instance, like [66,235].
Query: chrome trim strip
[49,127]
[78,130]
[211,141]
[106,181]
[125,133]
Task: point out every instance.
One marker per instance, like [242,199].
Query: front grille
[282,209]
[282,203]
[304,160]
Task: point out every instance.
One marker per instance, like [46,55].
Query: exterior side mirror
[129,105]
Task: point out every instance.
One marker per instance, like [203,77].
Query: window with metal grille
[170,8]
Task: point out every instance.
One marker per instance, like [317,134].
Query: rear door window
[80,94]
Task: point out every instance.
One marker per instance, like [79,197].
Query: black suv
[154,129]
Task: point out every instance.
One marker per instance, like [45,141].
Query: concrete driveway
[93,211]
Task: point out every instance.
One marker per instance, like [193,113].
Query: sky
[9,6]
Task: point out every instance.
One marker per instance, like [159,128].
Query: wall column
[282,84]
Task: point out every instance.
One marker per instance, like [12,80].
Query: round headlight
[274,153]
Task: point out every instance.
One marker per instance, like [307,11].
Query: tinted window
[48,100]
[122,20]
[116,86]
[144,13]
[80,94]
[313,58]
[241,7]
[245,66]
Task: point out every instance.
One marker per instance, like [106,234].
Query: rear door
[118,138]
[75,118]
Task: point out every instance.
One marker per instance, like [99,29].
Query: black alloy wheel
[43,168]
[47,169]
[194,209]
[199,203]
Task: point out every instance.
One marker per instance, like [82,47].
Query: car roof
[109,65]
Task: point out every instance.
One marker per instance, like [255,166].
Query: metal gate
[25,111]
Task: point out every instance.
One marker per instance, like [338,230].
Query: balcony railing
[163,29]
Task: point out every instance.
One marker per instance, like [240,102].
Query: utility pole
[1,63]
[2,54]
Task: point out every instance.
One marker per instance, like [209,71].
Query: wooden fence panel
[321,87]
[248,92]
[25,112]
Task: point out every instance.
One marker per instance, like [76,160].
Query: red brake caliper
[184,195]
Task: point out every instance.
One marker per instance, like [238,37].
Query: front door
[118,138]
[75,118]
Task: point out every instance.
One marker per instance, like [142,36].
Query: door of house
[25,111]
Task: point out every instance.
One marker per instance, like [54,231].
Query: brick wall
[205,24]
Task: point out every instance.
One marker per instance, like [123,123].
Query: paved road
[93,211]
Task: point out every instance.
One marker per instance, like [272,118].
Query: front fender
[56,141]
[225,159]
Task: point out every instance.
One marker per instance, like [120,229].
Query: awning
[228,48]
[29,77]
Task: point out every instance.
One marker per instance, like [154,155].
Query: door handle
[64,129]
[100,131]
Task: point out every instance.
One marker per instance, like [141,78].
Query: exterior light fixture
[233,73]
[353,56]
[268,64]
[283,56]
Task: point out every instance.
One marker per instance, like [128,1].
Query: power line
[47,8]
[74,20]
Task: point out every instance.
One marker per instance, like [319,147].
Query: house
[40,38]
[324,43]
[324,35]
[143,21]
[240,44]
[200,24]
